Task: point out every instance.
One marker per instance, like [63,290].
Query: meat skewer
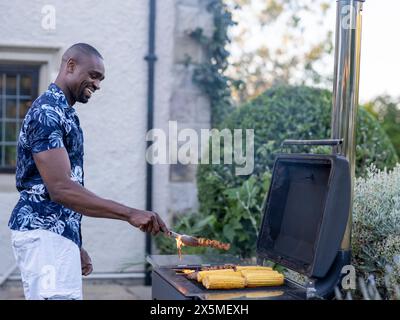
[185,240]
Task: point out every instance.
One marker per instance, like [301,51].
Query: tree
[279,42]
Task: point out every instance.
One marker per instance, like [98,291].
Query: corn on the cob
[192,276]
[202,274]
[240,268]
[259,272]
[187,271]
[184,271]
[219,267]
[223,281]
[257,279]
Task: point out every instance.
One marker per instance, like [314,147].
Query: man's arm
[55,169]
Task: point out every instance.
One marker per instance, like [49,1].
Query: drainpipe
[151,60]
[346,88]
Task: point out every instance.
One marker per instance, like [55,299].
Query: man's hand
[86,263]
[147,221]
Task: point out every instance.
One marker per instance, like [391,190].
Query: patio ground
[92,290]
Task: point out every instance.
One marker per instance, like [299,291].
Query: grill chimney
[346,88]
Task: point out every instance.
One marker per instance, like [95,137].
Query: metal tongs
[185,239]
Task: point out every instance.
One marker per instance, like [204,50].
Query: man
[46,222]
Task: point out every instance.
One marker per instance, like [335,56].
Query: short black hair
[84,48]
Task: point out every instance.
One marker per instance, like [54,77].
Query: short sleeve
[45,130]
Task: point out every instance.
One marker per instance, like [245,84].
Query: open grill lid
[306,211]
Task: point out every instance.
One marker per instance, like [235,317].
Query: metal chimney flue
[346,87]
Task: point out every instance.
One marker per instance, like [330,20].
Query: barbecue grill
[306,225]
[304,218]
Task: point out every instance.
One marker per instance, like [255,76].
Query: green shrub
[234,202]
[386,110]
[376,226]
[237,222]
[305,113]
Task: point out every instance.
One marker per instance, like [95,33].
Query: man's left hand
[86,263]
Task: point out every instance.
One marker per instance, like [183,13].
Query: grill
[304,219]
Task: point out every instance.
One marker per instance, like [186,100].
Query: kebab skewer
[185,240]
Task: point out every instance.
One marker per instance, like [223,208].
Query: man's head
[81,71]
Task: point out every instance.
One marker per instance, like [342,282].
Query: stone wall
[189,106]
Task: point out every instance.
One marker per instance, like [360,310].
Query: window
[18,89]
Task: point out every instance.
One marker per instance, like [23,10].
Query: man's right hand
[147,221]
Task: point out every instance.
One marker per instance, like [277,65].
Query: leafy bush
[237,223]
[287,112]
[386,110]
[280,113]
[376,226]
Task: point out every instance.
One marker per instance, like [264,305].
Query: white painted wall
[114,121]
[164,83]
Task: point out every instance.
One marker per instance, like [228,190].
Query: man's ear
[71,65]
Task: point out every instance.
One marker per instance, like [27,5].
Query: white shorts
[50,265]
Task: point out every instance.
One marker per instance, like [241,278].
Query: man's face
[86,78]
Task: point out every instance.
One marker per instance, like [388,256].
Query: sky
[380,49]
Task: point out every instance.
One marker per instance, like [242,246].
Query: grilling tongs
[186,240]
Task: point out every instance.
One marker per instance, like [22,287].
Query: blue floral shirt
[50,123]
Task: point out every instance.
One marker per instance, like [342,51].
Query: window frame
[15,69]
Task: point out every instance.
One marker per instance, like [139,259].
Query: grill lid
[305,212]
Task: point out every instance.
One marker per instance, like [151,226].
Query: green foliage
[237,222]
[373,144]
[376,227]
[299,112]
[386,110]
[209,76]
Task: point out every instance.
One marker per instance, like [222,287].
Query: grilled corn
[202,274]
[264,272]
[240,268]
[259,279]
[223,281]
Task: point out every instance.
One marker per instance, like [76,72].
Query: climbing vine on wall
[209,75]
